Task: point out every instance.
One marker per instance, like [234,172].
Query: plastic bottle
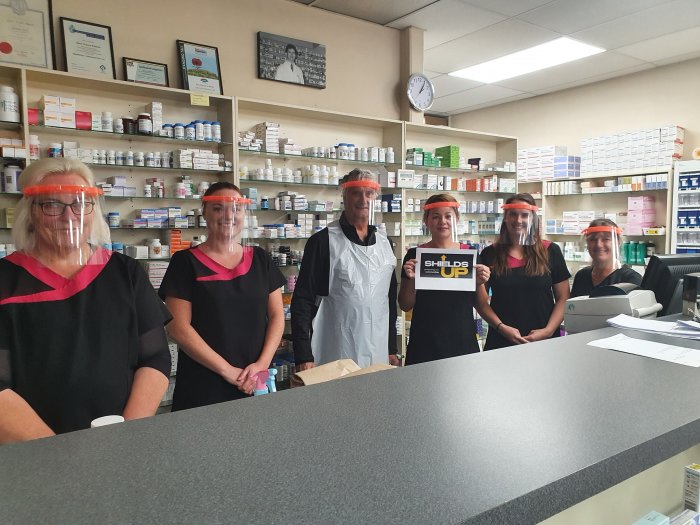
[107,122]
[216,131]
[34,147]
[179,131]
[11,179]
[9,104]
[155,249]
[264,203]
[198,130]
[145,124]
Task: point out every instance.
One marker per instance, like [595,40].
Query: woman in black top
[227,309]
[603,238]
[529,280]
[442,324]
[81,328]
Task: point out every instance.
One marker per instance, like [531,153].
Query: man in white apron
[344,303]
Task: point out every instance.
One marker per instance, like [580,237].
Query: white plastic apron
[353,321]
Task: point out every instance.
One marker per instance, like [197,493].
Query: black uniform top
[313,284]
[523,302]
[442,324]
[229,311]
[70,347]
[583,281]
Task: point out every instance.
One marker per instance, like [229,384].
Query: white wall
[665,95]
[362,58]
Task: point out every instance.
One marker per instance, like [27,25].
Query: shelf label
[197,99]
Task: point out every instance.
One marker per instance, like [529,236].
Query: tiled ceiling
[637,34]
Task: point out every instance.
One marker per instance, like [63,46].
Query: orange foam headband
[361,184]
[44,189]
[226,198]
[595,229]
[441,205]
[520,206]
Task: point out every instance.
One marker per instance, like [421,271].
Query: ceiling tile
[667,18]
[569,16]
[446,85]
[431,74]
[488,43]
[371,10]
[497,102]
[591,80]
[678,58]
[472,97]
[664,47]
[580,69]
[446,20]
[508,7]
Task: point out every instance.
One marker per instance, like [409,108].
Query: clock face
[421,92]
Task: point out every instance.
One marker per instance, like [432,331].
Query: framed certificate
[26,33]
[143,72]
[199,67]
[439,269]
[87,48]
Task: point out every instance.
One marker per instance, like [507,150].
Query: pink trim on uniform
[221,273]
[63,288]
[513,262]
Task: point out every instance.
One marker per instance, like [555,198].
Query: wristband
[498,326]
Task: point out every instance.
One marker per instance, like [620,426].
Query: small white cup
[106,420]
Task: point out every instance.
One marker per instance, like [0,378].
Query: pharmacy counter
[510,436]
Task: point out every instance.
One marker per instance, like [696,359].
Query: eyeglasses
[55,208]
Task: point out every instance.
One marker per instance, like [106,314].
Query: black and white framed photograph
[144,72]
[26,33]
[291,60]
[200,68]
[87,48]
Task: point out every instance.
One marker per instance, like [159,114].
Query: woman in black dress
[529,280]
[442,324]
[603,238]
[227,309]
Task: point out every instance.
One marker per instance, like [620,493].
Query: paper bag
[334,370]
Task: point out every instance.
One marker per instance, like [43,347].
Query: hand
[394,360]
[538,335]
[410,268]
[512,334]
[483,274]
[250,372]
[304,366]
[231,374]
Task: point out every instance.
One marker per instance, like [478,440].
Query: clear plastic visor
[521,223]
[361,200]
[440,220]
[67,221]
[228,220]
[603,245]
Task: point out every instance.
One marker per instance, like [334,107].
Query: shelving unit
[686,201]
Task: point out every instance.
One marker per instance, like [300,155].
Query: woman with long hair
[529,280]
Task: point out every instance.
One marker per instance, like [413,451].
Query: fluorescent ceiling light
[546,55]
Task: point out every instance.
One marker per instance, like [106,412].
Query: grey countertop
[509,436]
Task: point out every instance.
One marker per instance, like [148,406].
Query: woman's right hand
[231,375]
[512,334]
[410,268]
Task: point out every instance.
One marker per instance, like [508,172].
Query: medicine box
[691,487]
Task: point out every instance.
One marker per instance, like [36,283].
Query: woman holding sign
[529,280]
[444,312]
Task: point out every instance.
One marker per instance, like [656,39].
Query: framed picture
[143,72]
[290,60]
[26,33]
[87,48]
[199,67]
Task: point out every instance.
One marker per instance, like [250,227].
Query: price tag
[197,99]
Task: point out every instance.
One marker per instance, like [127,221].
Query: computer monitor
[664,276]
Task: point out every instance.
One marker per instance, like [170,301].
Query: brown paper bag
[333,370]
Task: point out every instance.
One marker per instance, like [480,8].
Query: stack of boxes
[391,202]
[155,271]
[288,147]
[7,217]
[58,111]
[449,156]
[633,150]
[197,159]
[247,140]
[567,166]
[268,133]
[156,111]
[12,149]
[538,163]
[641,213]
[174,238]
[115,186]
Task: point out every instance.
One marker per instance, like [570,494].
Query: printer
[590,312]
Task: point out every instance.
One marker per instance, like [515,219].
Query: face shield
[603,245]
[521,223]
[227,219]
[360,200]
[66,220]
[441,220]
